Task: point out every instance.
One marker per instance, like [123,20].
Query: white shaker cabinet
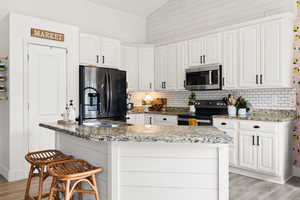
[160,67]
[205,50]
[89,49]
[249,56]
[146,68]
[247,150]
[111,52]
[182,64]
[230,59]
[130,62]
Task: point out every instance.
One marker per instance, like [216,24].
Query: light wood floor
[241,188]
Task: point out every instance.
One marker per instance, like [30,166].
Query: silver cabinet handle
[261,79]
[204,60]
[253,138]
[257,140]
[200,59]
[103,59]
[97,58]
[150,85]
[223,81]
[256,78]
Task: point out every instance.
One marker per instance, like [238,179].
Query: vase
[192,109]
[242,112]
[232,111]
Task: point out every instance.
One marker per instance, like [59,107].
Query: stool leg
[52,189]
[41,183]
[95,187]
[29,182]
[67,190]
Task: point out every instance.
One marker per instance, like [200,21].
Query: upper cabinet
[89,49]
[130,63]
[182,64]
[110,51]
[166,63]
[205,50]
[265,55]
[146,68]
[99,51]
[230,59]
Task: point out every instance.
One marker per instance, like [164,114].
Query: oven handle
[198,120]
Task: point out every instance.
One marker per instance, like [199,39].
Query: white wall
[4,105]
[183,19]
[90,18]
[19,37]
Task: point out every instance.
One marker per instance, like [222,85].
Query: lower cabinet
[152,119]
[260,149]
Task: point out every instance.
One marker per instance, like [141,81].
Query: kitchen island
[152,162]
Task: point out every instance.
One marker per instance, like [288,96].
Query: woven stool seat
[39,161]
[74,170]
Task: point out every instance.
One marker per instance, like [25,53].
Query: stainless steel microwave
[204,77]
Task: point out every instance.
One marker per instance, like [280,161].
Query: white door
[230,59]
[47,93]
[171,75]
[130,62]
[89,49]
[271,74]
[267,152]
[212,49]
[196,51]
[111,52]
[247,150]
[146,68]
[182,64]
[249,56]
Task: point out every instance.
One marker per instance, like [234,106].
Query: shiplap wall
[184,19]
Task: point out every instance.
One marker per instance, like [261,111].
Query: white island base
[154,171]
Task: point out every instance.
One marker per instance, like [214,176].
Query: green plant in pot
[242,105]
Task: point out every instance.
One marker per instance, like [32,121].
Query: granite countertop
[266,115]
[141,133]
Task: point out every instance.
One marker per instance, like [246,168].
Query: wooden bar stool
[39,161]
[68,176]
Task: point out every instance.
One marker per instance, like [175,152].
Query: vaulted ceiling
[137,7]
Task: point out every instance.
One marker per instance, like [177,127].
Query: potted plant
[231,105]
[192,100]
[241,105]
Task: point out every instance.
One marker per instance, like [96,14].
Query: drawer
[165,120]
[258,126]
[225,124]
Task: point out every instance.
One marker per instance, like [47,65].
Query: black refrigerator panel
[117,108]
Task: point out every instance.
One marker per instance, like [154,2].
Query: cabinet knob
[223,123]
[165,119]
[127,117]
[256,126]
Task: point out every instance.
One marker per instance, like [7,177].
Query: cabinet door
[130,62]
[267,152]
[146,68]
[110,50]
[212,53]
[249,56]
[160,67]
[182,64]
[230,71]
[140,119]
[171,76]
[233,148]
[271,70]
[247,150]
[89,49]
[196,47]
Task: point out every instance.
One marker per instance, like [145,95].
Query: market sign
[48,35]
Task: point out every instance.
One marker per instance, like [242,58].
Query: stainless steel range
[205,109]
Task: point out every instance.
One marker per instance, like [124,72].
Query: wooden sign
[47,35]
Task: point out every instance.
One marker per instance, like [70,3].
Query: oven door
[204,78]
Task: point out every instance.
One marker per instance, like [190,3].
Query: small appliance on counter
[205,109]
[102,93]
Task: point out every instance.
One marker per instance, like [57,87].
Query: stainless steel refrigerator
[102,94]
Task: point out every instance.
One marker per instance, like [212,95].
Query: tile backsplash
[279,99]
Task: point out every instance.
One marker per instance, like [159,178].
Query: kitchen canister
[232,111]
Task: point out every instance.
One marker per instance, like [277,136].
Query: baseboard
[4,171]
